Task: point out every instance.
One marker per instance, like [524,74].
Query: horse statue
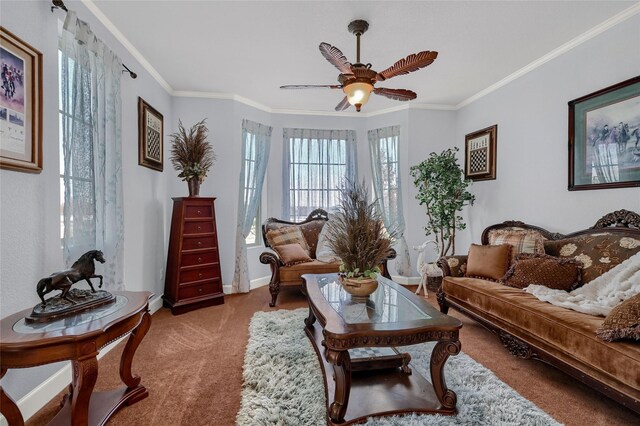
[82,269]
[425,269]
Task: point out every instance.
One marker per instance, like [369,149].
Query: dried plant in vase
[192,155]
[358,237]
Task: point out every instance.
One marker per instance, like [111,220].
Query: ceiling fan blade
[396,94]
[312,86]
[344,104]
[409,64]
[336,57]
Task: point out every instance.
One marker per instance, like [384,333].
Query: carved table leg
[342,375]
[8,407]
[130,349]
[311,319]
[274,289]
[439,356]
[85,374]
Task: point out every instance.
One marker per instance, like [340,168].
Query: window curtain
[93,214]
[321,163]
[256,140]
[385,170]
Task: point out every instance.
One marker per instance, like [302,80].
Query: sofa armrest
[385,267]
[453,266]
[271,258]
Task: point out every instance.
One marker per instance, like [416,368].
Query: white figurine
[426,269]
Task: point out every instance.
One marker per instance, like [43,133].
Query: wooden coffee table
[378,380]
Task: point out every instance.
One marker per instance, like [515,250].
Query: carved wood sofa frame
[273,260]
[620,221]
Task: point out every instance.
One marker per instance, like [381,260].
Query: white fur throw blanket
[601,294]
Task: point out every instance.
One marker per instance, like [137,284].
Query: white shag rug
[283,384]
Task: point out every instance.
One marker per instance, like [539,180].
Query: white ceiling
[251,48]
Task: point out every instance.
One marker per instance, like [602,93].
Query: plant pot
[194,187]
[359,288]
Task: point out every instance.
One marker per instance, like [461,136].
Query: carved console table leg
[439,356]
[8,407]
[342,375]
[85,374]
[134,341]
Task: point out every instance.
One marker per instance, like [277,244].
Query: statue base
[57,307]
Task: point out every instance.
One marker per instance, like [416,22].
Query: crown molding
[93,8]
[598,29]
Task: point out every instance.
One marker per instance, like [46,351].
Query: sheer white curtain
[315,164]
[385,169]
[256,141]
[91,119]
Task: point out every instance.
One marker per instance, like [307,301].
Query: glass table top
[71,321]
[385,305]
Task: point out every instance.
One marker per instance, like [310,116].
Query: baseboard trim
[256,283]
[406,280]
[32,402]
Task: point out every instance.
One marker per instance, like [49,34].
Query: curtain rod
[59,4]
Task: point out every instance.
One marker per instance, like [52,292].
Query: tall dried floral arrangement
[357,234]
[191,154]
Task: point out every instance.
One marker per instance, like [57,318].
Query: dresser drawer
[199,258]
[204,227]
[198,211]
[205,273]
[194,243]
[197,290]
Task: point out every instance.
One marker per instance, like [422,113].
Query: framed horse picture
[480,154]
[150,136]
[604,138]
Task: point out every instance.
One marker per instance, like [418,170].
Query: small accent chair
[290,276]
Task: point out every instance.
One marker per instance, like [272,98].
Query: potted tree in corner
[192,155]
[442,189]
[357,235]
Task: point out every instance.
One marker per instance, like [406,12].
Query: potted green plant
[192,155]
[442,189]
[357,235]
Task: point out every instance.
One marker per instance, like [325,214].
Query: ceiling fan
[357,80]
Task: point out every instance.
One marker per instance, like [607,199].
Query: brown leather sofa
[566,339]
[290,276]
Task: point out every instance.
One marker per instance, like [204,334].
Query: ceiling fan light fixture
[358,93]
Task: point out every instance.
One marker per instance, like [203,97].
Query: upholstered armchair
[290,276]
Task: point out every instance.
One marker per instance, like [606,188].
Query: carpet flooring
[192,366]
[284,383]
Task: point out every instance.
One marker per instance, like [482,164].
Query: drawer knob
[200,290]
[199,243]
[199,260]
[199,228]
[200,275]
[199,212]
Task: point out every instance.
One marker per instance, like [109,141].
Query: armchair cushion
[292,254]
[287,235]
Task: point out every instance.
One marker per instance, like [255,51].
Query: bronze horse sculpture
[82,269]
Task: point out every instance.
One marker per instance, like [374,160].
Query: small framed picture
[20,105]
[150,136]
[604,138]
[480,154]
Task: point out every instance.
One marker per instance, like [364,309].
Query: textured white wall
[531,114]
[29,218]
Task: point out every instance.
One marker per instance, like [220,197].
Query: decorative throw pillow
[287,235]
[488,262]
[598,251]
[292,254]
[522,240]
[323,251]
[311,233]
[623,322]
[542,269]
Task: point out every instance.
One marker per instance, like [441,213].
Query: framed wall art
[20,105]
[480,154]
[604,138]
[150,136]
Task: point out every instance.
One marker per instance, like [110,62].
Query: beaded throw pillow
[287,235]
[549,271]
[488,262]
[292,254]
[522,240]
[623,322]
